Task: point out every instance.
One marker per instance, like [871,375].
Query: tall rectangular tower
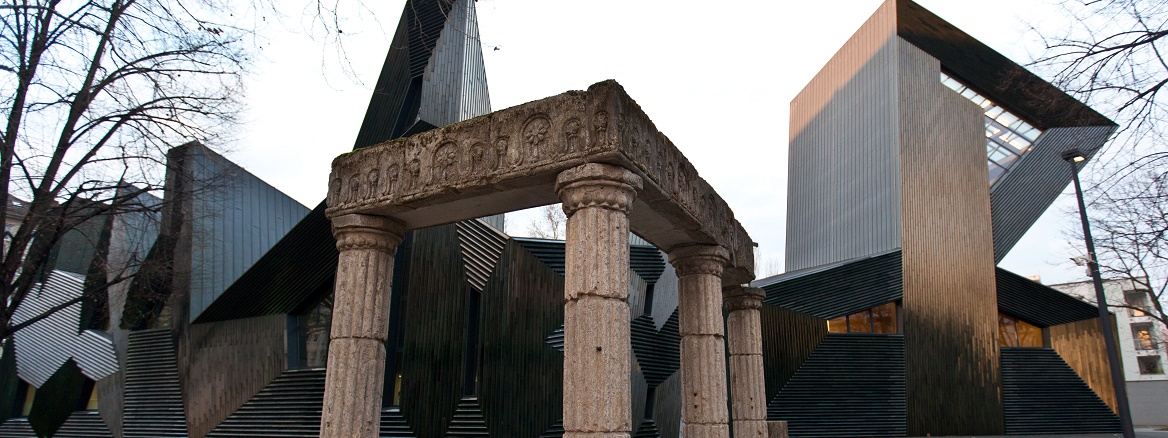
[906,141]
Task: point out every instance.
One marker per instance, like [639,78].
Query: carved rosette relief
[446,164]
[535,137]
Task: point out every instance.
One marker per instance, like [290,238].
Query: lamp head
[1074,156]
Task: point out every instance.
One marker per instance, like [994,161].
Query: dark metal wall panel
[1041,394]
[481,247]
[852,385]
[521,387]
[1039,304]
[950,307]
[1025,192]
[1003,81]
[841,290]
[83,424]
[843,196]
[111,396]
[154,406]
[454,85]
[435,330]
[788,338]
[234,218]
[298,268]
[1081,345]
[223,364]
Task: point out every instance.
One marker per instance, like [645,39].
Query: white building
[1141,343]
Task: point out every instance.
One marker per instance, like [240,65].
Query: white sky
[716,77]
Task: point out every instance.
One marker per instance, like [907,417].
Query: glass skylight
[1007,136]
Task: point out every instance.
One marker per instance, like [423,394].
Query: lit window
[1013,332]
[1142,335]
[1008,137]
[1150,365]
[880,320]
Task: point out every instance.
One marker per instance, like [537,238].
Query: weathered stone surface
[777,429]
[507,160]
[352,390]
[597,397]
[703,351]
[747,379]
[356,361]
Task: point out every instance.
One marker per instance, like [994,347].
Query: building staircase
[1041,394]
[153,397]
[468,420]
[851,385]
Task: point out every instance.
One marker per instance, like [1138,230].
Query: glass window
[1138,299]
[1150,365]
[880,320]
[1013,332]
[1001,125]
[312,335]
[1142,335]
[91,405]
[29,396]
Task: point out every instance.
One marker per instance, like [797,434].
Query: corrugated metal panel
[154,406]
[17,428]
[647,262]
[233,217]
[843,196]
[1043,395]
[1024,193]
[852,385]
[657,351]
[468,420]
[954,381]
[481,247]
[290,406]
[454,85]
[840,290]
[1039,304]
[550,252]
[43,347]
[82,424]
[788,338]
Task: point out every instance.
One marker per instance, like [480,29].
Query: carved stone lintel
[699,259]
[363,231]
[597,185]
[742,298]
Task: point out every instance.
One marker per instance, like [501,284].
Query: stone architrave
[703,348]
[356,356]
[744,340]
[615,173]
[597,199]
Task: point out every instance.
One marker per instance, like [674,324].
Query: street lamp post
[1073,157]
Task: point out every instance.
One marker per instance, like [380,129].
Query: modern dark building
[918,158]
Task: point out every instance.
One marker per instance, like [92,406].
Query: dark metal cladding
[657,351]
[1039,304]
[294,399]
[1041,394]
[481,247]
[82,424]
[550,252]
[1005,82]
[646,261]
[852,385]
[154,404]
[788,338]
[1081,345]
[17,428]
[837,289]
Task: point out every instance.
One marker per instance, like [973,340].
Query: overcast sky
[716,77]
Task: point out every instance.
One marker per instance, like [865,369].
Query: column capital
[597,185]
[364,231]
[740,297]
[699,259]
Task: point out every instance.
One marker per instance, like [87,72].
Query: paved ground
[1140,433]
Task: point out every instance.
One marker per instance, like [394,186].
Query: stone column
[703,351]
[744,339]
[356,357]
[597,199]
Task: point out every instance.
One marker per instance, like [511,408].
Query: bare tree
[549,224]
[1112,56]
[95,93]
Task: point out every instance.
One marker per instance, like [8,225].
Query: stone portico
[600,155]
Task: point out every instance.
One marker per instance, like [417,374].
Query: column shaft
[597,199]
[360,324]
[747,382]
[703,348]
